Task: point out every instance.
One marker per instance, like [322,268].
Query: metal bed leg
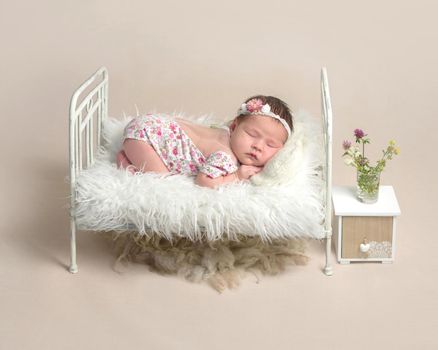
[73,266]
[328,269]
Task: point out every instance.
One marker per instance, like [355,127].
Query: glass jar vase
[368,186]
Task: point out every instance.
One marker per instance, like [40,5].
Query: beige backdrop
[206,57]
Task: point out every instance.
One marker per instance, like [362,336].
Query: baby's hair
[278,107]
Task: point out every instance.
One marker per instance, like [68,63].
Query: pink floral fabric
[176,149]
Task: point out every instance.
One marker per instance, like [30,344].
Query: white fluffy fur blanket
[283,201]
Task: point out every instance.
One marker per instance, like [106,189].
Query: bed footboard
[88,108]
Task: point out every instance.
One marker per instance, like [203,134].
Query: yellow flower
[397,150]
[392,143]
[348,160]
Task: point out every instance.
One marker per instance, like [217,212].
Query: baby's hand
[246,171]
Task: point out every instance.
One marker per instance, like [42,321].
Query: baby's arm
[243,173]
[205,181]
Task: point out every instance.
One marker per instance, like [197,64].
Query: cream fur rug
[222,264]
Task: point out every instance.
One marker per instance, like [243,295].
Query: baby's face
[256,139]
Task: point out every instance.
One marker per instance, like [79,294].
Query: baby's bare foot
[124,163]
[132,169]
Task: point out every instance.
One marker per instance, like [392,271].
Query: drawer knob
[365,246]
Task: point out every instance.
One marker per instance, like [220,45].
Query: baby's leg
[143,156]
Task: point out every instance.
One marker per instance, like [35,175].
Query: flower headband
[256,107]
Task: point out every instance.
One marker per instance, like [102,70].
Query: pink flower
[254,105]
[346,144]
[359,133]
[175,151]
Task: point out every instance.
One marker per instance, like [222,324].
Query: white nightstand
[364,232]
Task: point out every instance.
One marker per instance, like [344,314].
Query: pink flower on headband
[254,105]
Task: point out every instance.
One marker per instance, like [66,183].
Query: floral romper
[176,149]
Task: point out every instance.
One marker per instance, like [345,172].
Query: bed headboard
[327,117]
[327,130]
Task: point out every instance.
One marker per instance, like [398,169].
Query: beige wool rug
[222,264]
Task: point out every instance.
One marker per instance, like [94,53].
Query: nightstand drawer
[367,237]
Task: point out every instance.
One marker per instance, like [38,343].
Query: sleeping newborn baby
[215,156]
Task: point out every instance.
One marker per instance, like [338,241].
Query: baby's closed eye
[251,133]
[273,145]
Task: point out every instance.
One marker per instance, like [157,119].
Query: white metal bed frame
[84,141]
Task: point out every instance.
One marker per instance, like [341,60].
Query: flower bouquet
[368,177]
